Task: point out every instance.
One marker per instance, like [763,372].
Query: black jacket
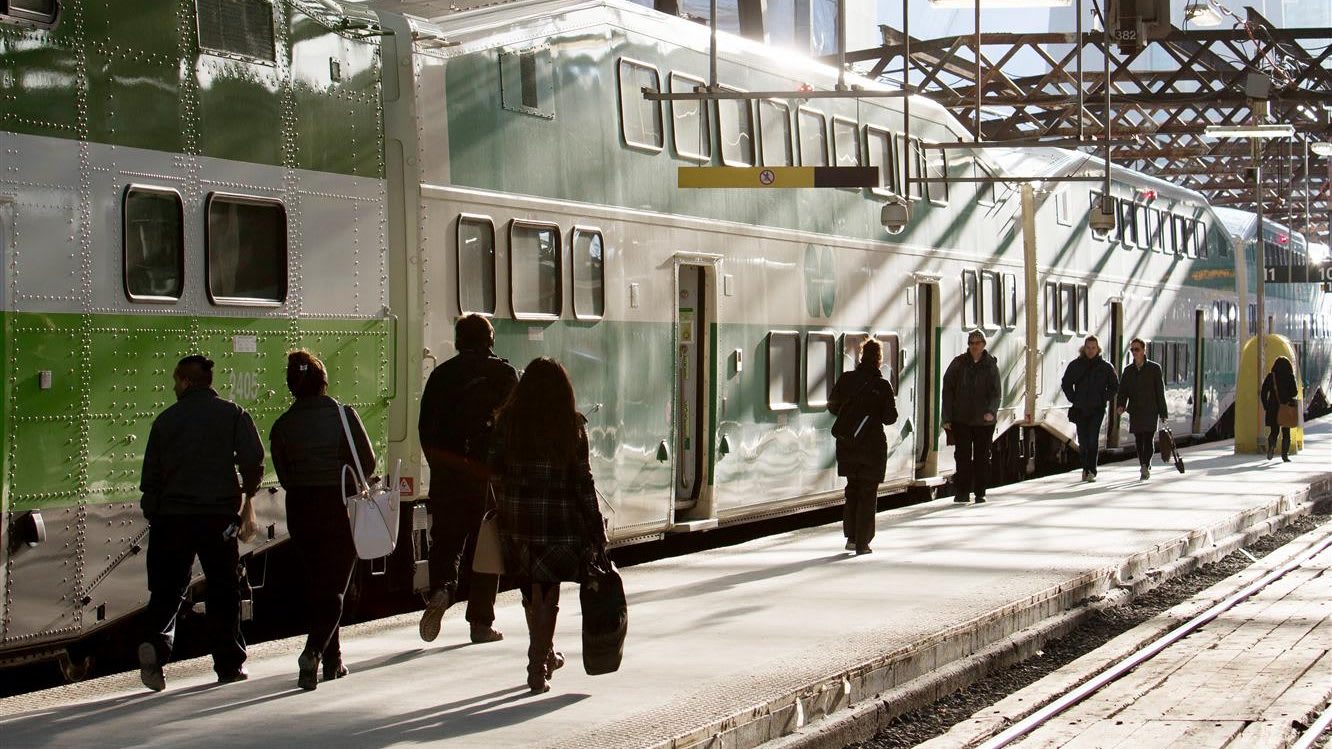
[971,390]
[862,395]
[457,410]
[194,450]
[1089,384]
[1142,394]
[1277,391]
[310,447]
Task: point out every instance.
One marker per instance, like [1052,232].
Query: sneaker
[850,545]
[863,550]
[1086,474]
[1144,473]
[485,633]
[434,615]
[150,671]
[1091,476]
[980,499]
[308,663]
[228,677]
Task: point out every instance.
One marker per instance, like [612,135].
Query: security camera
[895,215]
[1102,215]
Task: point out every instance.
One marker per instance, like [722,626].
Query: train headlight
[895,214]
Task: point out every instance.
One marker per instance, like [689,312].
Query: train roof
[1242,224]
[1059,162]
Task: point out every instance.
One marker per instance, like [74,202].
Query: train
[240,178]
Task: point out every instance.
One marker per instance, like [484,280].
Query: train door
[1114,354]
[1196,361]
[695,321]
[925,393]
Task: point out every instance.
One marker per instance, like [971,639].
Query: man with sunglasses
[1089,383]
[970,403]
[1142,394]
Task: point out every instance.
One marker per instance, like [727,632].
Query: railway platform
[736,646]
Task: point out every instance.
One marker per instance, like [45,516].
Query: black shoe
[863,550]
[334,670]
[227,677]
[962,498]
[980,499]
[1270,451]
[150,671]
[1285,458]
[308,676]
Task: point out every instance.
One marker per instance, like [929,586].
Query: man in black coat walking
[1089,384]
[457,412]
[864,402]
[192,500]
[1142,394]
[970,403]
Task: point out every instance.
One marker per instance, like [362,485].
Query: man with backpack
[457,411]
[864,403]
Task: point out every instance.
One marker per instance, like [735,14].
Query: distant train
[179,180]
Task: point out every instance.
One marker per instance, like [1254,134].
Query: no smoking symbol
[766,177]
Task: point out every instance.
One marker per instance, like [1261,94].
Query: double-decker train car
[351,182]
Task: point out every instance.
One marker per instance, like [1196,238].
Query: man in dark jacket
[1142,394]
[457,411]
[970,403]
[1089,384]
[192,500]
[864,402]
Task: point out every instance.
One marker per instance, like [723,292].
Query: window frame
[853,127]
[845,356]
[124,242]
[1068,291]
[915,165]
[1053,315]
[1063,216]
[1082,296]
[790,131]
[798,374]
[800,133]
[932,190]
[972,305]
[704,113]
[24,17]
[573,274]
[1142,238]
[1126,224]
[457,259]
[622,63]
[559,270]
[1010,297]
[832,362]
[891,343]
[227,301]
[721,140]
[887,172]
[991,280]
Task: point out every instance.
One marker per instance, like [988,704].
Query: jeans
[317,521]
[1089,436]
[862,499]
[454,522]
[973,457]
[1142,442]
[173,543]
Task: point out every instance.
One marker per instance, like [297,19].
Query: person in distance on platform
[193,501]
[310,448]
[1279,389]
[970,402]
[1089,383]
[457,413]
[864,402]
[1142,394]
[549,521]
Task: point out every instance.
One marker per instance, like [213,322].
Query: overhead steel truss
[1157,117]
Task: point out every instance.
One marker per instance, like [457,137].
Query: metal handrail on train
[1073,697]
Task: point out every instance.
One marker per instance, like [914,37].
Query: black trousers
[1285,440]
[1089,436]
[973,458]
[173,543]
[454,521]
[1142,442]
[862,498]
[317,521]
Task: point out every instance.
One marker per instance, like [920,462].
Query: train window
[936,167]
[1010,300]
[691,130]
[1068,306]
[851,343]
[971,301]
[775,133]
[1141,237]
[1217,331]
[246,248]
[534,270]
[32,11]
[589,274]
[813,137]
[735,121]
[879,155]
[1157,353]
[1253,319]
[1051,307]
[1232,326]
[1061,208]
[915,168]
[1160,228]
[1084,311]
[640,118]
[237,27]
[476,265]
[892,357]
[992,299]
[153,244]
[846,142]
[783,370]
[985,192]
[820,366]
[1200,249]
[1125,228]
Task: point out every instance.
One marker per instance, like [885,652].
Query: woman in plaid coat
[549,521]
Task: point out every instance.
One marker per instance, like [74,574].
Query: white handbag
[372,510]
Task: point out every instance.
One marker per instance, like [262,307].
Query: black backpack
[474,418]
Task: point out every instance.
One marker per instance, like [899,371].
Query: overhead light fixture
[1201,13]
[988,4]
[1249,131]
[1321,148]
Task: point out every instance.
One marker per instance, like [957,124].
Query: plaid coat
[548,514]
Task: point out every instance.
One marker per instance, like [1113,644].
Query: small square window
[153,244]
[534,270]
[589,269]
[246,248]
[640,118]
[476,265]
[813,137]
[692,130]
[735,119]
[783,370]
[775,127]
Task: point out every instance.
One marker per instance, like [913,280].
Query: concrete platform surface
[728,647]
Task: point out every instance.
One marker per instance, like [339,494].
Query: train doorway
[695,322]
[1114,354]
[1199,318]
[926,389]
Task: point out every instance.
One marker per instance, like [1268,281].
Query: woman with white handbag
[310,447]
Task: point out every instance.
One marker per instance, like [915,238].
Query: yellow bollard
[1250,421]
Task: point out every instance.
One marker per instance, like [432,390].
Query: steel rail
[1082,692]
[1314,731]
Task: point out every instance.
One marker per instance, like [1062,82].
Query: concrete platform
[726,648]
